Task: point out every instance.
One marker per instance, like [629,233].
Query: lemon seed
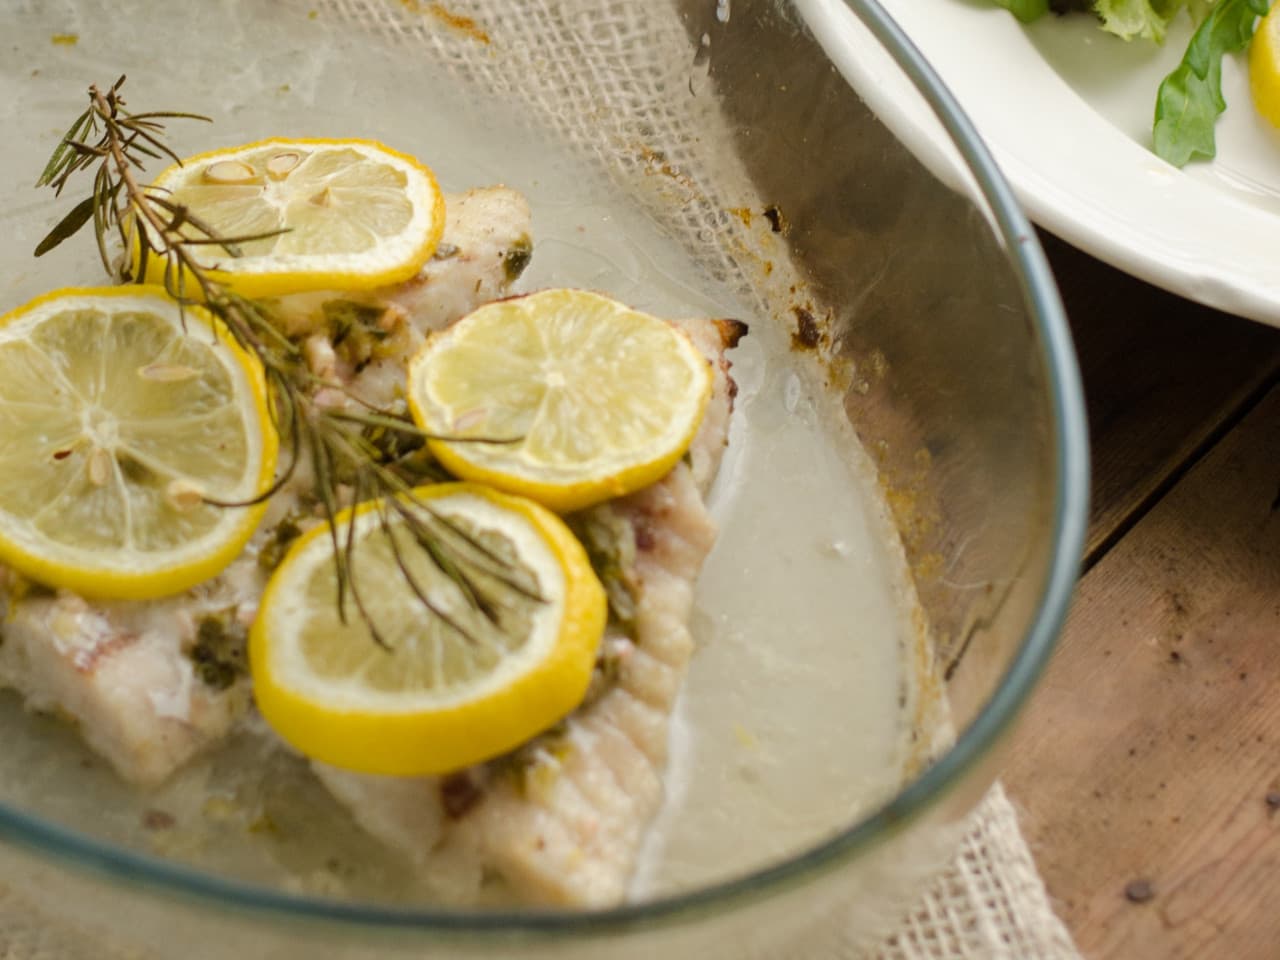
[184,495]
[229,172]
[470,418]
[167,372]
[282,164]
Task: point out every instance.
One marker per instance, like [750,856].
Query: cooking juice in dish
[799,705]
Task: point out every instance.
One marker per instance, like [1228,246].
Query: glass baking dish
[683,155]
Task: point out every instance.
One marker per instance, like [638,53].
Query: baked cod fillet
[561,821]
[151,684]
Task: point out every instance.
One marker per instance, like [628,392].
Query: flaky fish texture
[145,683]
[561,822]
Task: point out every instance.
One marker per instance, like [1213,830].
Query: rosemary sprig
[347,451]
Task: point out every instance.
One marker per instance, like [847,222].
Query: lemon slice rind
[126,572]
[393,259]
[600,399]
[419,731]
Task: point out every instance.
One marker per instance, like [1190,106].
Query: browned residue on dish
[742,213]
[777,222]
[656,162]
[457,21]
[807,334]
[731,331]
[914,516]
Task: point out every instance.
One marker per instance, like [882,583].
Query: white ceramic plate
[1067,111]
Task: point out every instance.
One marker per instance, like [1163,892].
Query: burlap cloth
[599,75]
[989,904]
[603,76]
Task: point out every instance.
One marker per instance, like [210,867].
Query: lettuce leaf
[1137,19]
[1190,98]
[1127,19]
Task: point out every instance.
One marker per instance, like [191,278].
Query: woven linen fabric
[988,904]
[601,76]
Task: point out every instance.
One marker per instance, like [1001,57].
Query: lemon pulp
[115,424]
[595,399]
[345,214]
[448,688]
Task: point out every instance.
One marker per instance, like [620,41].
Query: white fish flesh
[562,820]
[139,679]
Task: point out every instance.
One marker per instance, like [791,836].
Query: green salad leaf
[1025,10]
[1127,19]
[1137,19]
[1190,98]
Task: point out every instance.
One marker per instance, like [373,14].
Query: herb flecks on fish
[277,544]
[356,330]
[533,767]
[517,259]
[218,650]
[611,547]
[343,447]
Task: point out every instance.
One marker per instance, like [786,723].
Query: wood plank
[1151,753]
[1160,374]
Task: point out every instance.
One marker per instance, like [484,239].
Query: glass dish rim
[156,877]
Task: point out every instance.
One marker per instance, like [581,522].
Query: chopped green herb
[517,258]
[273,551]
[611,547]
[218,653]
[535,765]
[354,329]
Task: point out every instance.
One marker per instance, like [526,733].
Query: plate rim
[1139,214]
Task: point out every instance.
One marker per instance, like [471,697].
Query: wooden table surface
[1146,769]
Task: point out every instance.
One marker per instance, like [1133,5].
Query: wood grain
[1162,377]
[1152,749]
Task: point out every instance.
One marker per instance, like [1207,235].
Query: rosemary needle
[345,461]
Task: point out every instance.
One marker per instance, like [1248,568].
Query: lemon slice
[435,698]
[603,399]
[357,214]
[1264,66]
[114,424]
